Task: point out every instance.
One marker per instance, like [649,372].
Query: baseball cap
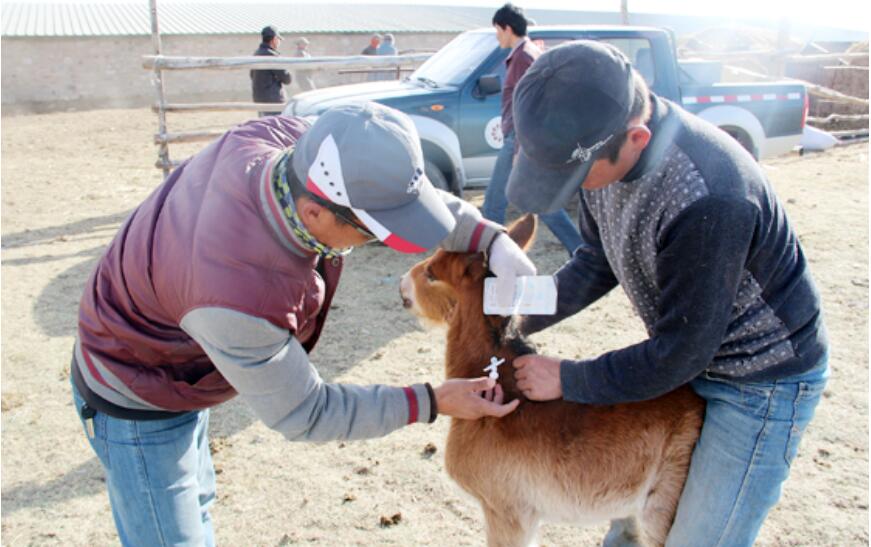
[567,107]
[367,157]
[270,32]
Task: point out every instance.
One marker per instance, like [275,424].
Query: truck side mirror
[489,84]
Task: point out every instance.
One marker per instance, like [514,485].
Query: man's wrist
[433,405]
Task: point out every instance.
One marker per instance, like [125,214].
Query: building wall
[48,74]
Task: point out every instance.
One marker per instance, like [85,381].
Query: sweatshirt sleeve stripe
[476,237]
[413,409]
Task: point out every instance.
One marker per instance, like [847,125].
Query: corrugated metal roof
[128,19]
[27,19]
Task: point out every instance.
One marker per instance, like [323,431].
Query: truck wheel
[743,139]
[435,176]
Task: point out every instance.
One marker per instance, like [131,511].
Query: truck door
[481,116]
[480,130]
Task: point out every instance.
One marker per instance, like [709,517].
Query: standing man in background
[372,48]
[388,46]
[304,77]
[510,24]
[266,85]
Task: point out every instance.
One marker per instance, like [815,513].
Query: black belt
[100,404]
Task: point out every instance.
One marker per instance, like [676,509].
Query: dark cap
[270,32]
[368,157]
[568,105]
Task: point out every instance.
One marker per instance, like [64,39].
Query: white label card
[533,295]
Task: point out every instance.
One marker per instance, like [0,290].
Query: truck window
[452,64]
[640,55]
[636,49]
[545,44]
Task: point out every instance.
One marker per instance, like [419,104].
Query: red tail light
[807,106]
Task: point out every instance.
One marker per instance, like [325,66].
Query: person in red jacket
[219,284]
[510,23]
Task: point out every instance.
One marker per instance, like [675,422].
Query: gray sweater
[272,372]
[703,249]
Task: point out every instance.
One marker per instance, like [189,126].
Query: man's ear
[639,137]
[311,213]
[522,231]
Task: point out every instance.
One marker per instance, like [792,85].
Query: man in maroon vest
[219,283]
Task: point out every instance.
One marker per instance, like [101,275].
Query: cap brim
[535,188]
[415,227]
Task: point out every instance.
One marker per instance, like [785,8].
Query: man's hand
[461,398]
[508,261]
[538,377]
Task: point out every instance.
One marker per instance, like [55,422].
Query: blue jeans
[495,202]
[159,475]
[749,438]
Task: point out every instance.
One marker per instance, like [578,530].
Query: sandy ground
[69,179]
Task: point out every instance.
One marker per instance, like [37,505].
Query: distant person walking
[266,85]
[510,24]
[388,46]
[372,48]
[304,78]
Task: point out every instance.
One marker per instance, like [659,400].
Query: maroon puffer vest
[210,235]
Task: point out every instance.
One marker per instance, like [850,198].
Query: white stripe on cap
[326,173]
[386,236]
[377,228]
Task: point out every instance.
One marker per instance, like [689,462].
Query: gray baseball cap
[568,105]
[367,157]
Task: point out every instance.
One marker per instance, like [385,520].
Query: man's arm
[271,371]
[582,280]
[472,232]
[699,265]
[282,76]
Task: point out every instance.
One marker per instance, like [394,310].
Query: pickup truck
[454,98]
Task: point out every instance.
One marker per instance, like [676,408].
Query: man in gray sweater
[679,215]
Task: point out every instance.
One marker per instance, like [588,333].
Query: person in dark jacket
[372,48]
[220,284]
[683,218]
[267,85]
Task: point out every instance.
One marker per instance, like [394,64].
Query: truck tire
[743,139]
[435,176]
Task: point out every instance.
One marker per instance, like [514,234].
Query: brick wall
[48,74]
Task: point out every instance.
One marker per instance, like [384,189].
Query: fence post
[163,152]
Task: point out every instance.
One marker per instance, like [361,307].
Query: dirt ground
[69,179]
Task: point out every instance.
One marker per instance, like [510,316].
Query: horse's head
[432,287]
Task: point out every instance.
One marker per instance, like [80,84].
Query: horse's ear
[522,231]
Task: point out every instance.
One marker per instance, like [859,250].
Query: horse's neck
[475,338]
